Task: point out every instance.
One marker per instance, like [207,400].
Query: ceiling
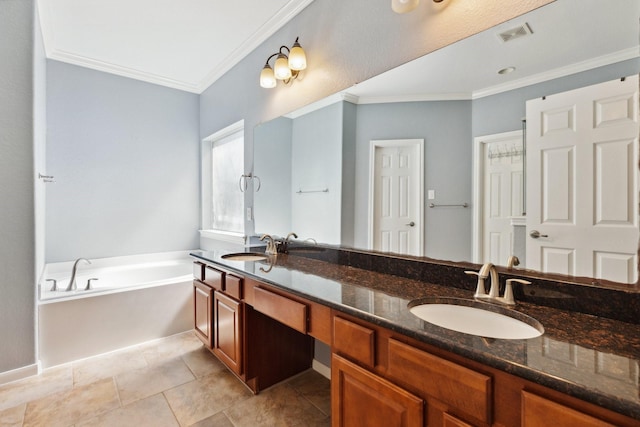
[182,44]
[568,36]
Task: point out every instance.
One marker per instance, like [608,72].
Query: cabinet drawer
[198,270]
[283,309]
[448,382]
[538,412]
[233,286]
[214,278]
[354,341]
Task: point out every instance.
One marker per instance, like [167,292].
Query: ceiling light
[405,6]
[507,70]
[285,68]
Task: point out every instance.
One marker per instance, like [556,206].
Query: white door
[396,196]
[502,195]
[582,181]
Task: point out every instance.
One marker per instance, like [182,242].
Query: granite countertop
[593,358]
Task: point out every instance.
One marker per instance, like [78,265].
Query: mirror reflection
[444,157]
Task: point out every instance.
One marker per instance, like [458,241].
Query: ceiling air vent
[515,33]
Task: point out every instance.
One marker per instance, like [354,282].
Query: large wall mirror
[463,120]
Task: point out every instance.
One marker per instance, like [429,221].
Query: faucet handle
[55,284]
[88,287]
[508,290]
[480,290]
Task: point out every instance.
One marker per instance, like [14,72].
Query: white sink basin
[245,256]
[476,318]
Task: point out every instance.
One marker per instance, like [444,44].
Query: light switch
[431,194]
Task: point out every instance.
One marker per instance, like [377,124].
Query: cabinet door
[228,331]
[202,310]
[540,412]
[360,398]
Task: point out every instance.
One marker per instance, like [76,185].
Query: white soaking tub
[135,299]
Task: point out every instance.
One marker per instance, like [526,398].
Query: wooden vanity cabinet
[373,366]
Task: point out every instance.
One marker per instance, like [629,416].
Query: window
[222,200]
[227,202]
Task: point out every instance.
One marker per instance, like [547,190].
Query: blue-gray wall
[445,127]
[272,209]
[17,215]
[125,155]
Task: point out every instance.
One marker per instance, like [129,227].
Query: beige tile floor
[170,382]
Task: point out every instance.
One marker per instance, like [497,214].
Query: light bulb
[267,79]
[281,68]
[404,6]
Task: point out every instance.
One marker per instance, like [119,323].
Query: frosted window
[227,201]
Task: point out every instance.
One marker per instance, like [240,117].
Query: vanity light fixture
[405,6]
[286,67]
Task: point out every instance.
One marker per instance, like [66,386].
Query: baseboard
[321,368]
[20,373]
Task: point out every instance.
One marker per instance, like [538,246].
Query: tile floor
[170,382]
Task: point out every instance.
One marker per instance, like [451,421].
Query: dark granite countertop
[591,357]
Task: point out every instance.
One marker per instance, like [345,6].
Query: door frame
[478,188]
[384,143]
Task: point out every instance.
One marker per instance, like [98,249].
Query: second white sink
[245,256]
[476,318]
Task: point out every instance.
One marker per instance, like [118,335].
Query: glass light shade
[404,6]
[281,68]
[297,58]
[267,79]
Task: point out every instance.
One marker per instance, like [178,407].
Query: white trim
[417,97]
[225,236]
[578,67]
[478,186]
[321,368]
[324,102]
[421,218]
[20,373]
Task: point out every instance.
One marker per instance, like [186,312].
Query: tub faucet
[72,282]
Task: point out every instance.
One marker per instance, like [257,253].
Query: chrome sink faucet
[488,270]
[271,245]
[72,282]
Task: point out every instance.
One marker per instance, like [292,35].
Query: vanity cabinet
[261,345]
[383,378]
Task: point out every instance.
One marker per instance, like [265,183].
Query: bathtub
[135,299]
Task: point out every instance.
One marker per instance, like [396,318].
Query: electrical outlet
[249,214]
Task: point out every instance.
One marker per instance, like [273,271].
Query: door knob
[536,234]
[411,224]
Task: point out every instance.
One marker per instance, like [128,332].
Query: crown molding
[414,98]
[107,67]
[578,67]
